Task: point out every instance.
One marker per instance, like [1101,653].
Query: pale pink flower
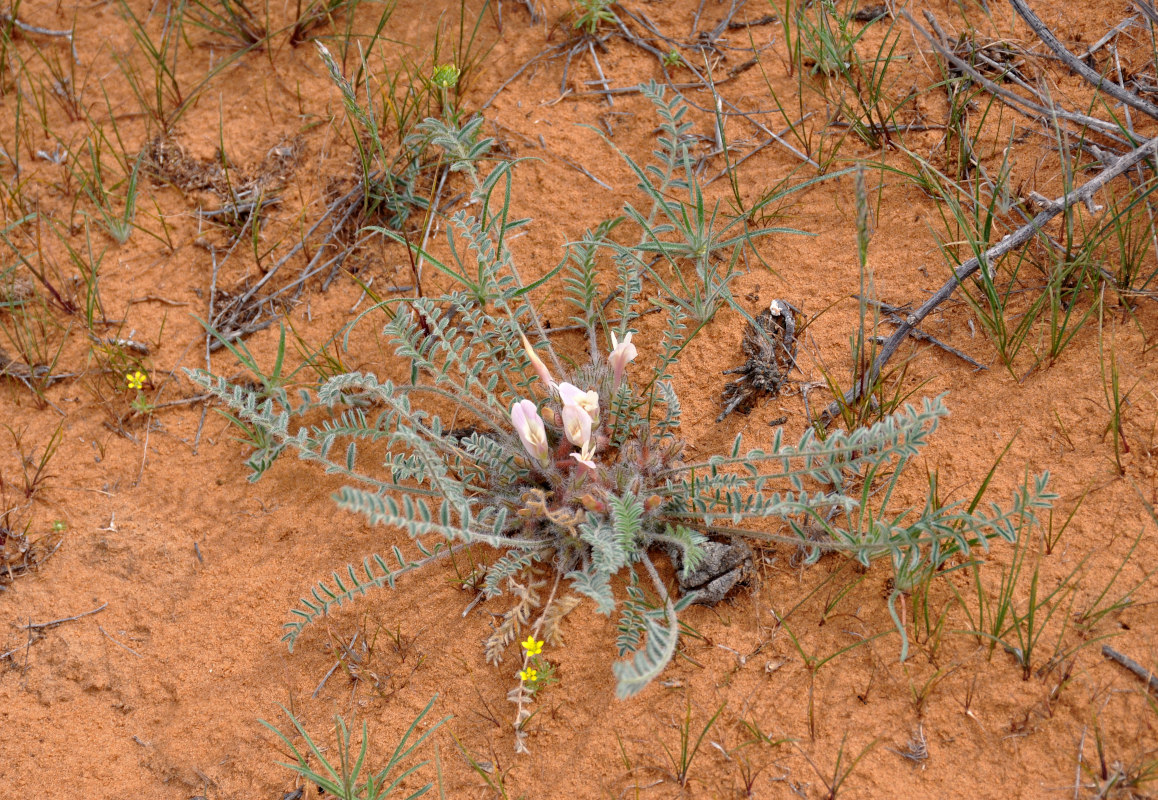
[576,424]
[529,425]
[586,456]
[574,396]
[536,362]
[622,353]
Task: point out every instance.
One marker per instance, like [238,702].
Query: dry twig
[1011,242]
[1145,675]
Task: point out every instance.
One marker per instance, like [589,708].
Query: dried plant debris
[238,313]
[770,349]
[1142,83]
[871,13]
[724,566]
[19,554]
[996,58]
[15,290]
[553,618]
[517,617]
[917,750]
[896,315]
[13,367]
[166,160]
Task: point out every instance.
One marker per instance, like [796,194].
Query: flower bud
[536,362]
[622,353]
[529,425]
[593,504]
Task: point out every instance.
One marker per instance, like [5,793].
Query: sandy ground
[158,694]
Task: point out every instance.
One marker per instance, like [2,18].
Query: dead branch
[894,314]
[1146,675]
[1020,103]
[1011,242]
[1148,10]
[1100,83]
[55,622]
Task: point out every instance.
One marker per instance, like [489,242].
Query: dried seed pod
[770,350]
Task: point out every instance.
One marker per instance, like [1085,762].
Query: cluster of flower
[579,414]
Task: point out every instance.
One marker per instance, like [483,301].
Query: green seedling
[590,15]
[1050,536]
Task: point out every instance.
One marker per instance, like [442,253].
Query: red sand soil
[159,694]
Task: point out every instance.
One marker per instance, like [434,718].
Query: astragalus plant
[575,475]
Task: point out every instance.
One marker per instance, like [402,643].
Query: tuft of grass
[1003,618]
[1018,612]
[493,776]
[1105,603]
[1117,778]
[827,51]
[1050,536]
[702,249]
[315,14]
[349,778]
[231,20]
[681,760]
[390,178]
[973,215]
[36,336]
[842,769]
[1116,400]
[156,83]
[34,468]
[878,393]
[814,662]
[19,551]
[859,89]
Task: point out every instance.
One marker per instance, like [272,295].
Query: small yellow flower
[529,675]
[136,380]
[532,647]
